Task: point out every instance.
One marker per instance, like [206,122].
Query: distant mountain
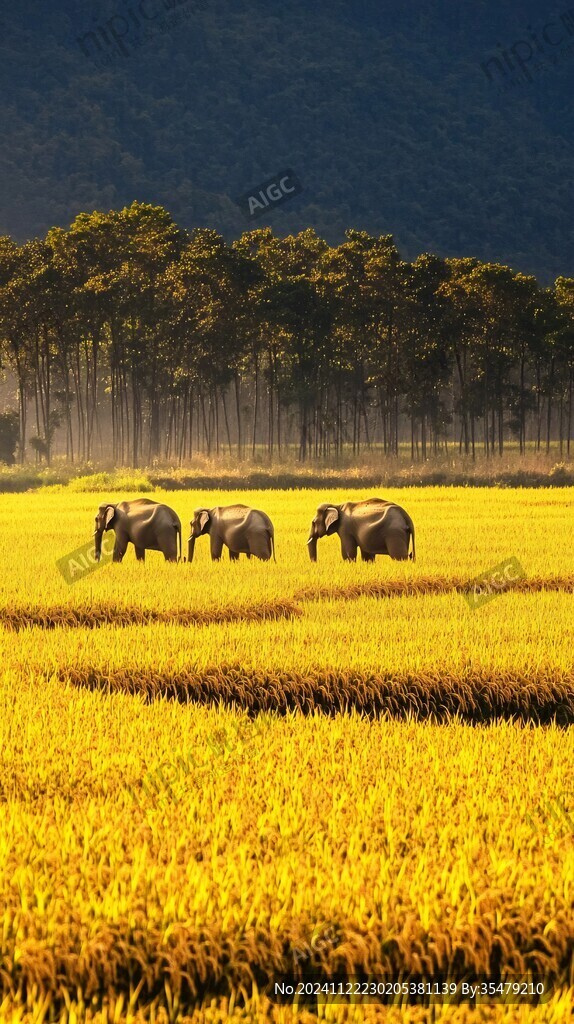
[411,119]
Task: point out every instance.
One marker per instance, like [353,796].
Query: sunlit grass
[162,853]
[411,841]
[458,531]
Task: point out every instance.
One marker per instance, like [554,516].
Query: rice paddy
[207,769]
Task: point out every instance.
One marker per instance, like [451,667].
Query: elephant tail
[179,547]
[272,536]
[412,529]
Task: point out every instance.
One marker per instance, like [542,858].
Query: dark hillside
[382,109]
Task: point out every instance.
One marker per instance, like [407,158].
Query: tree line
[131,338]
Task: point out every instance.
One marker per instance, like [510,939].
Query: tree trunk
[549,409]
[255,405]
[570,390]
[238,414]
[226,418]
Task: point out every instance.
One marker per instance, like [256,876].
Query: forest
[130,338]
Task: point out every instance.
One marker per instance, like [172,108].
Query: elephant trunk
[190,548]
[98,539]
[312,545]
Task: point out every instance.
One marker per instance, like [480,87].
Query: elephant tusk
[310,541]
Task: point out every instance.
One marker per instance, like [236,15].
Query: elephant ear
[331,516]
[203,519]
[110,513]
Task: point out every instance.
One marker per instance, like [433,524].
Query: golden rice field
[213,775]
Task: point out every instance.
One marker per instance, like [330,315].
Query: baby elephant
[241,528]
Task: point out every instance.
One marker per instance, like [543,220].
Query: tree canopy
[129,337]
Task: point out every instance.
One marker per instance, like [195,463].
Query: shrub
[98,482]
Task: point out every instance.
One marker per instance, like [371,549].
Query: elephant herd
[373,527]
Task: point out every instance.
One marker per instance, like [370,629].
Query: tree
[9,434]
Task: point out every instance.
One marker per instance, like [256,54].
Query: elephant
[145,523]
[373,526]
[243,529]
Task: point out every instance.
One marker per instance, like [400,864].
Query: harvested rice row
[192,965]
[117,615]
[476,698]
[104,615]
[430,585]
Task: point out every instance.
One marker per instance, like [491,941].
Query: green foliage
[186,344]
[119,481]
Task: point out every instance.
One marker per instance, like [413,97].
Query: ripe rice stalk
[91,618]
[475,699]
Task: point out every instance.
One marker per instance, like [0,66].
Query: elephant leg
[397,545]
[216,544]
[140,554]
[261,548]
[166,541]
[120,547]
[233,556]
[349,549]
[366,557]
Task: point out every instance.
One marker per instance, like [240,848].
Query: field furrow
[106,615]
[432,585]
[476,699]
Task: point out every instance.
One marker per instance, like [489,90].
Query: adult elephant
[373,527]
[242,529]
[144,523]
